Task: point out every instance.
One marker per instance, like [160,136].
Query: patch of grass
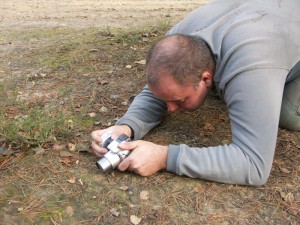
[56,62]
[23,124]
[36,127]
[65,91]
[133,36]
[36,34]
[51,214]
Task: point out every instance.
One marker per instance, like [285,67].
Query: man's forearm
[144,113]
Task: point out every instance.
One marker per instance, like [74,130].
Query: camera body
[114,155]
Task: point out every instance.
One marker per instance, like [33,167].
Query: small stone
[103,109]
[114,96]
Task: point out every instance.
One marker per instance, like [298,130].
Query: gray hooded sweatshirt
[255,44]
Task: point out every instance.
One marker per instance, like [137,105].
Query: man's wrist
[128,130]
[164,153]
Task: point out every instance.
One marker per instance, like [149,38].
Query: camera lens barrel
[109,161]
[104,165]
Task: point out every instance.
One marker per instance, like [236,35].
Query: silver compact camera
[114,155]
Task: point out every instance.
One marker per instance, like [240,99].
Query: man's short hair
[185,57]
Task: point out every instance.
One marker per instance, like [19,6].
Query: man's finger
[124,165]
[96,135]
[97,149]
[128,145]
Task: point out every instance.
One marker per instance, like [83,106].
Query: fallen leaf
[70,124]
[144,195]
[20,209]
[284,170]
[39,151]
[71,147]
[225,223]
[97,123]
[288,197]
[94,50]
[103,82]
[128,66]
[72,180]
[199,189]
[114,212]
[124,188]
[294,211]
[135,220]
[69,210]
[208,127]
[68,160]
[92,114]
[66,154]
[142,62]
[124,103]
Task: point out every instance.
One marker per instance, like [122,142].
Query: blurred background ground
[70,67]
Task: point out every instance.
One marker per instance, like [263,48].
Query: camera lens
[104,165]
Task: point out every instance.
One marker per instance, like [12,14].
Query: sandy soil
[91,13]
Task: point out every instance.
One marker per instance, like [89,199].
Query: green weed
[51,214]
[23,124]
[37,126]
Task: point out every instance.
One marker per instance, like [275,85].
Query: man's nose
[172,106]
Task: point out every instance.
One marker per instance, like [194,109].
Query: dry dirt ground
[69,67]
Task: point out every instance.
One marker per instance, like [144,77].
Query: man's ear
[207,78]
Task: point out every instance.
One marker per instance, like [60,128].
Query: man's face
[184,98]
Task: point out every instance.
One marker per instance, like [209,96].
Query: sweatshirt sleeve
[144,113]
[253,99]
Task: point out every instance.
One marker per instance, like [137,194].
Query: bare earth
[68,67]
[92,13]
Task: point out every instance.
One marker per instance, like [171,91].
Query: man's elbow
[258,177]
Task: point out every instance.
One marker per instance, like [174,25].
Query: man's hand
[97,139]
[145,159]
